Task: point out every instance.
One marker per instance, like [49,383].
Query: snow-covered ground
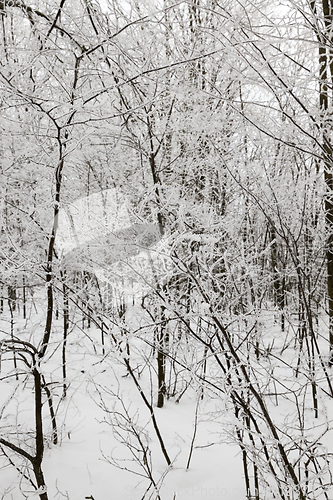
[94,455]
[79,465]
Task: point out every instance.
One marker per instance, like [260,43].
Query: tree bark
[38,459]
[325,58]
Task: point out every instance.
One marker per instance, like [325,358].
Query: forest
[166,250]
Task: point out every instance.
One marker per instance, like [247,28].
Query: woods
[166,229]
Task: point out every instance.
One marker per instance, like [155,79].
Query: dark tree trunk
[65,333]
[40,480]
[24,299]
[325,56]
[38,459]
[161,346]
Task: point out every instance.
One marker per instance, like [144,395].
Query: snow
[82,464]
[78,467]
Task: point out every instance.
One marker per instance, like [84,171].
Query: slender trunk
[325,58]
[161,363]
[329,258]
[49,263]
[40,480]
[12,297]
[239,434]
[12,335]
[52,239]
[65,333]
[151,410]
[24,299]
[160,329]
[52,414]
[39,438]
[278,282]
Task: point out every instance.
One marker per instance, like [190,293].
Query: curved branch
[17,449]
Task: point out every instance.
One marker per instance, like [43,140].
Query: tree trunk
[40,480]
[325,58]
[37,461]
[161,346]
[65,333]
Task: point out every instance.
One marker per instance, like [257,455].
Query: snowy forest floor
[94,457]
